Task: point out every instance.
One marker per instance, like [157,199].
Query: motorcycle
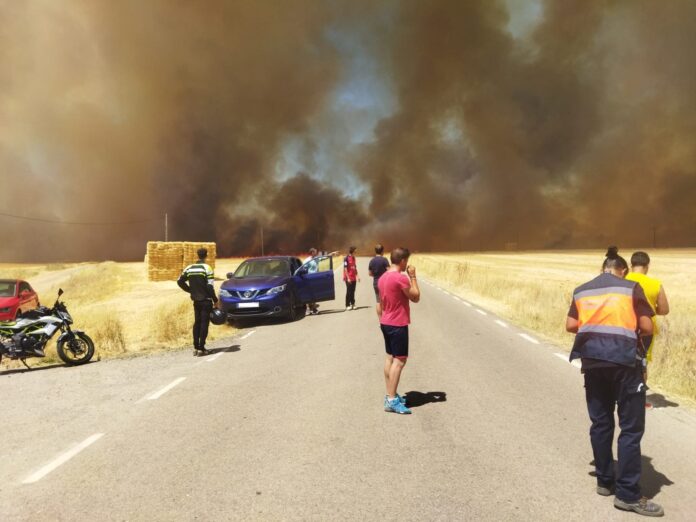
[28,336]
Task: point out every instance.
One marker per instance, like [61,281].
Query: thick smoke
[575,134]
[121,111]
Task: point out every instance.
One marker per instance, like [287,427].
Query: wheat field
[534,289]
[116,305]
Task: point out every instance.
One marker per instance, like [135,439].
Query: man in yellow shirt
[654,291]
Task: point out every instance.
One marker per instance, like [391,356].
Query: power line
[82,223]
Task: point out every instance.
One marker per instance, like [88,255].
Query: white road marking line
[247,335]
[528,338]
[214,357]
[62,459]
[467,303]
[160,392]
[481,312]
[564,356]
[501,323]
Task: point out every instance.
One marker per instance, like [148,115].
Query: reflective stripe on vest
[616,330]
[607,310]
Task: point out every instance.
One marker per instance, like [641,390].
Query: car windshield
[263,268]
[7,288]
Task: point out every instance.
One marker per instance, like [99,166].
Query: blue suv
[277,286]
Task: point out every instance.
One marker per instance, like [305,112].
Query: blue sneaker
[396,406]
[402,400]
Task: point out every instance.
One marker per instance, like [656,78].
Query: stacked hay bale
[166,260]
[190,253]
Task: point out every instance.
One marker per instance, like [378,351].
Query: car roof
[271,258]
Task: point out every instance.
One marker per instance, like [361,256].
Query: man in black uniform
[197,279]
[378,265]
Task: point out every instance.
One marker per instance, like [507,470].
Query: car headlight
[276,290]
[225,293]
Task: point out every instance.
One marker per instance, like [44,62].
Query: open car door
[314,280]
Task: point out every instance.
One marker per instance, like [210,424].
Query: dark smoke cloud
[575,134]
[127,110]
[575,137]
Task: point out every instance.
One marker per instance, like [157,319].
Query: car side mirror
[60,292]
[301,271]
[230,275]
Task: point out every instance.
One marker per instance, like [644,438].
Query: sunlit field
[117,306]
[534,291]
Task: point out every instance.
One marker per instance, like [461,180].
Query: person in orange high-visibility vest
[608,314]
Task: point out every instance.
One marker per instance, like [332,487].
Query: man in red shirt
[396,290]
[351,278]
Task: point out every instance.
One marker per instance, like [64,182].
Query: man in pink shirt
[396,290]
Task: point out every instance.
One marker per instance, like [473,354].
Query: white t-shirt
[312,265]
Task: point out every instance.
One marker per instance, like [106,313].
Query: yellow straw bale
[166,260]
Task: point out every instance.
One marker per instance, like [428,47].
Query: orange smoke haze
[577,132]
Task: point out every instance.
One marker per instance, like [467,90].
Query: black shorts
[377,293]
[395,340]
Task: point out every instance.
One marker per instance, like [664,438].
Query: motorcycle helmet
[218,317]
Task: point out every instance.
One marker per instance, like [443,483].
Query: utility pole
[262,254]
[166,227]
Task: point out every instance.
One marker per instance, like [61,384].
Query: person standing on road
[378,266]
[351,278]
[197,279]
[312,268]
[654,292]
[608,314]
[396,291]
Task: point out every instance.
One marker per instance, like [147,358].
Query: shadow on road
[233,348]
[33,369]
[327,312]
[414,399]
[651,480]
[253,322]
[660,401]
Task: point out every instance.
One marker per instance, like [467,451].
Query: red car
[16,297]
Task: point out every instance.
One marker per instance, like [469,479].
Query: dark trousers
[350,293]
[605,388]
[201,321]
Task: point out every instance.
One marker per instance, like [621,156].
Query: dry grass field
[117,306]
[534,290]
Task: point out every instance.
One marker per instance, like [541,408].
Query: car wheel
[18,315]
[302,311]
[292,311]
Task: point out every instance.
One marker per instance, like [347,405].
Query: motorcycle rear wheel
[76,351]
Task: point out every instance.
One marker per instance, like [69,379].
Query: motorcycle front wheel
[75,351]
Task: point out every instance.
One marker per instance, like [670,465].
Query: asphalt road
[285,422]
